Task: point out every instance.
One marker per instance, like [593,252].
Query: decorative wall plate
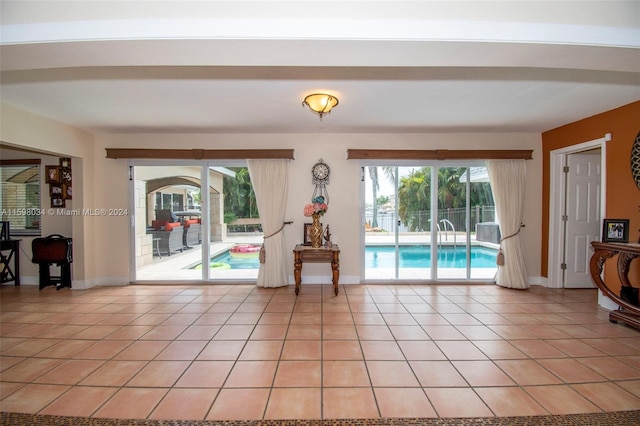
[635,161]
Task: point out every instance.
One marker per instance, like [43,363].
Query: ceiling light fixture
[320,103]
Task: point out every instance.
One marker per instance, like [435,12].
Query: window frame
[13,211]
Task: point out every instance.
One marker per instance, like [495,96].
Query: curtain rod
[439,154]
[199,154]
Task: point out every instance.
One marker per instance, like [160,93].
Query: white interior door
[583,216]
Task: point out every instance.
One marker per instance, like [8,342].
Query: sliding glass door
[380,217]
[412,202]
[194,221]
[422,224]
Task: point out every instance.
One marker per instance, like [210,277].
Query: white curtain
[507,179]
[269,179]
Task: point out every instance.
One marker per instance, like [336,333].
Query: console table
[11,247]
[308,254]
[628,313]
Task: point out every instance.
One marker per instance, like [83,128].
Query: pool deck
[175,267]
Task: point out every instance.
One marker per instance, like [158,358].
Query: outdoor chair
[170,237]
[192,232]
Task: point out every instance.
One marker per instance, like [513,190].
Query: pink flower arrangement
[317,206]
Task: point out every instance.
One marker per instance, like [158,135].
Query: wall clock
[635,161]
[320,173]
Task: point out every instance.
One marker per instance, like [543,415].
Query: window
[20,196]
[169,201]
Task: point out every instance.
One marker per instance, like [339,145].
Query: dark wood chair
[53,250]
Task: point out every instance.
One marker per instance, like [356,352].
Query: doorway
[582,214]
[194,222]
[576,207]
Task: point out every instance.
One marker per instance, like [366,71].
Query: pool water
[420,257]
[384,257]
[237,262]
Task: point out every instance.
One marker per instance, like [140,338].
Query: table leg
[156,243]
[16,266]
[335,269]
[297,271]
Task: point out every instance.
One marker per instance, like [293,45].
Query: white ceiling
[244,67]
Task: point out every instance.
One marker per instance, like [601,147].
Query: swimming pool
[234,262]
[420,257]
[384,257]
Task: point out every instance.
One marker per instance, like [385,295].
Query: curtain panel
[507,179]
[270,180]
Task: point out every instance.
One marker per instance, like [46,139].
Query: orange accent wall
[623,196]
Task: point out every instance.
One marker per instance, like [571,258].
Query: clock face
[320,171]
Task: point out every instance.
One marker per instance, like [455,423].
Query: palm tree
[375,185]
[414,196]
[451,192]
[239,197]
[389,172]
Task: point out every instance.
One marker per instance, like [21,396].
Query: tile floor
[239,352]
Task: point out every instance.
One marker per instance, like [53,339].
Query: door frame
[435,165]
[557,199]
[204,165]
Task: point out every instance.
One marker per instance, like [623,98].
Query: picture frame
[65,175]
[55,190]
[306,240]
[57,202]
[65,162]
[52,174]
[67,192]
[615,230]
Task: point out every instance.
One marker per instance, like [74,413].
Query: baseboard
[539,280]
[306,279]
[605,302]
[29,280]
[79,284]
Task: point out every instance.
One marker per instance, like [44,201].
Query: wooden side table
[627,313]
[12,249]
[308,254]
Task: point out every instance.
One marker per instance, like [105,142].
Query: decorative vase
[315,232]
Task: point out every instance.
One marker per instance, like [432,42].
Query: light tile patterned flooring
[241,352]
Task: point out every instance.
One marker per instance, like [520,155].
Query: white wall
[344,215]
[38,134]
[102,246]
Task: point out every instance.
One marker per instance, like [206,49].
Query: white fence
[421,221]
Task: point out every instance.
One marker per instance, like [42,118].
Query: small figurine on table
[327,237]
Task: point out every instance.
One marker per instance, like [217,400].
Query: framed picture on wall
[615,230]
[65,175]
[52,174]
[57,202]
[56,190]
[66,192]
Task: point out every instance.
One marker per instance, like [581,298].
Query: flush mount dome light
[320,103]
